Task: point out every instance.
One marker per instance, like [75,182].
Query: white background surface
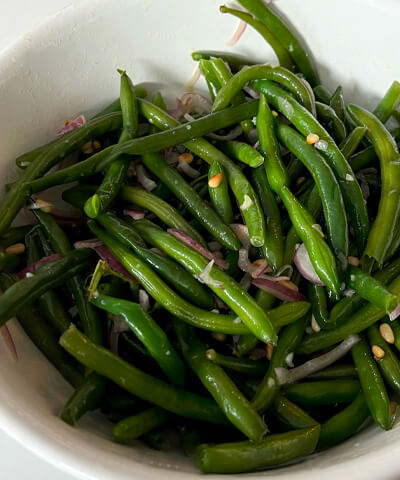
[18,17]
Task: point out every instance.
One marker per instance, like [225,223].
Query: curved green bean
[219,194]
[323,392]
[129,429]
[328,116]
[243,152]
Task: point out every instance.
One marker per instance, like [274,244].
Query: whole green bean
[319,303]
[227,289]
[273,450]
[389,364]
[289,340]
[350,144]
[289,415]
[362,158]
[231,401]
[219,194]
[328,117]
[139,146]
[235,61]
[388,103]
[14,235]
[280,51]
[208,73]
[9,263]
[243,152]
[306,124]
[129,429]
[323,392]
[149,333]
[252,368]
[337,103]
[387,219]
[273,244]
[372,384]
[140,384]
[164,211]
[322,94]
[344,424]
[285,36]
[335,371]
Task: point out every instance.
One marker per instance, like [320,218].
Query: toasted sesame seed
[258,262]
[353,261]
[42,205]
[312,138]
[387,332]
[215,181]
[378,352]
[186,157]
[96,145]
[269,348]
[15,249]
[87,148]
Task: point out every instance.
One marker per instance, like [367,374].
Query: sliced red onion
[144,300]
[253,136]
[396,312]
[283,269]
[68,219]
[175,113]
[131,170]
[220,304]
[34,266]
[246,266]
[8,341]
[304,265]
[253,93]
[91,243]
[318,363]
[214,246]
[171,156]
[257,145]
[237,34]
[71,125]
[278,289]
[245,282]
[242,233]
[194,78]
[189,118]
[146,182]
[135,214]
[205,277]
[117,327]
[185,168]
[234,133]
[193,103]
[183,237]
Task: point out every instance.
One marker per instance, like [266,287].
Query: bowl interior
[67,66]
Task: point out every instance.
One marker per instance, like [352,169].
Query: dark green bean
[208,73]
[388,103]
[334,372]
[350,144]
[327,116]
[219,194]
[129,429]
[14,235]
[243,152]
[322,94]
[235,61]
[9,263]
[252,368]
[289,415]
[319,303]
[337,103]
[323,392]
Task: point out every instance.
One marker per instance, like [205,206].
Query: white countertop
[17,17]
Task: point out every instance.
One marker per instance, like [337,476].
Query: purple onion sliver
[305,267]
[72,125]
[8,341]
[34,266]
[396,312]
[135,214]
[278,290]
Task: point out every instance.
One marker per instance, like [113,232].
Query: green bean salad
[232,260]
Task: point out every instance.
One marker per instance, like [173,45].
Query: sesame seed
[353,261]
[186,157]
[15,249]
[377,352]
[312,138]
[387,332]
[215,181]
[96,145]
[349,178]
[268,350]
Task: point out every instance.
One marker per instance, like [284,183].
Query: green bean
[208,218]
[394,247]
[328,116]
[372,384]
[252,368]
[389,364]
[335,372]
[149,333]
[280,75]
[208,73]
[220,386]
[388,103]
[322,94]
[307,124]
[285,36]
[9,263]
[344,424]
[86,397]
[337,103]
[44,337]
[231,293]
[396,331]
[219,194]
[273,450]
[18,195]
[371,290]
[136,382]
[350,144]
[129,429]
[323,392]
[164,211]
[280,51]
[50,275]
[363,158]
[235,61]
[319,303]
[387,219]
[273,244]
[138,146]
[14,235]
[289,340]
[247,199]
[243,152]
[289,415]
[328,187]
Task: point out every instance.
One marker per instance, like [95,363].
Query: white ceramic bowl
[68,66]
